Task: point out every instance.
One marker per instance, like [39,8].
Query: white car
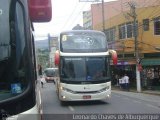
[50,74]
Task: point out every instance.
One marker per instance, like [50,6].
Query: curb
[145,92]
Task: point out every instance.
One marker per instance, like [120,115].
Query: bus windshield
[13,65]
[4,36]
[84,69]
[78,41]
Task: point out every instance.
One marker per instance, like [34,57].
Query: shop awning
[150,62]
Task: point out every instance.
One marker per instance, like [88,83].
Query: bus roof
[82,31]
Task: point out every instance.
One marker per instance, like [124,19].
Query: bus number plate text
[86,97]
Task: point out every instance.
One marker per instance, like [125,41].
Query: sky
[65,15]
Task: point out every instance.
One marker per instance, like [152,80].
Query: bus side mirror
[40,10]
[56,58]
[114,56]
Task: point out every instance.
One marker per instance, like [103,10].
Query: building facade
[53,40]
[119,29]
[87,20]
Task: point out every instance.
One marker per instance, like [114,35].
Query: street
[121,102]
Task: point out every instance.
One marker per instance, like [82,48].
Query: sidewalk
[152,92]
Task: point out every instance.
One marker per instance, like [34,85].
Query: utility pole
[103,19]
[134,16]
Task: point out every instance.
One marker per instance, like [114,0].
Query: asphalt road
[120,103]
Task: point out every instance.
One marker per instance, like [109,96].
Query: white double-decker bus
[83,60]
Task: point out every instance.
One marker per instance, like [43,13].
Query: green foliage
[43,57]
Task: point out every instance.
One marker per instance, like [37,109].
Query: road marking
[40,97]
[71,108]
[135,101]
[149,105]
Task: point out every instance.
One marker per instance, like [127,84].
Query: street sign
[90,0]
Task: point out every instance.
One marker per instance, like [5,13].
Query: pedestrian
[120,82]
[117,80]
[123,82]
[126,78]
[40,70]
[43,81]
[40,74]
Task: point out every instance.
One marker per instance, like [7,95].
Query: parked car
[50,74]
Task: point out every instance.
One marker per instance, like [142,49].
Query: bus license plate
[86,97]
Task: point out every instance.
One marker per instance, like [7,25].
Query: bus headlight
[104,89]
[66,89]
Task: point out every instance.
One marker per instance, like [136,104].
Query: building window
[145,24]
[129,30]
[136,29]
[110,34]
[126,31]
[122,32]
[157,26]
[107,35]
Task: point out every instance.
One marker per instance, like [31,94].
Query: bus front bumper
[68,96]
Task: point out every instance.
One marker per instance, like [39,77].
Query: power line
[70,15]
[76,17]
